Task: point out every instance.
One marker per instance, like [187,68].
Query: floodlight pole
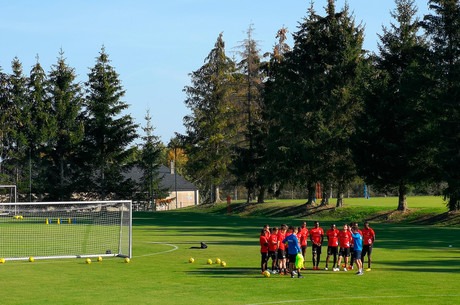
[175,172]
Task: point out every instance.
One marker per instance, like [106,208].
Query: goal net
[46,230]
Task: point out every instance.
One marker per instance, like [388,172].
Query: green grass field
[413,264]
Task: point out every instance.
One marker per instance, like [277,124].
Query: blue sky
[154,45]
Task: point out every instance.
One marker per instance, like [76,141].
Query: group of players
[283,244]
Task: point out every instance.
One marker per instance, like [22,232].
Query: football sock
[335,261]
[317,261]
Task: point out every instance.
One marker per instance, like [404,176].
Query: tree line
[63,140]
[327,111]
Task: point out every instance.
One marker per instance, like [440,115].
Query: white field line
[358,298]
[162,252]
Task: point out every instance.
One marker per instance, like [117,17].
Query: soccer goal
[76,229]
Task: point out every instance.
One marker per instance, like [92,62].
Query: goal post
[74,229]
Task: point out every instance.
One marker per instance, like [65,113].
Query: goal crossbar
[73,229]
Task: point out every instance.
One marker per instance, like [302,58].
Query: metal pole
[175,172]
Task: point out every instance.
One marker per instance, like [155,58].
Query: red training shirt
[368,236]
[303,236]
[345,239]
[316,234]
[333,237]
[273,242]
[281,237]
[263,244]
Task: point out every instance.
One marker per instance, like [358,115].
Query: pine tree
[66,103]
[5,123]
[42,128]
[107,131]
[313,104]
[20,124]
[209,127]
[248,164]
[443,27]
[149,164]
[389,153]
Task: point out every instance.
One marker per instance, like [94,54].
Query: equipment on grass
[127,260]
[2,260]
[88,261]
[209,262]
[91,229]
[218,261]
[31,259]
[266,274]
[99,258]
[191,260]
[368,269]
[223,264]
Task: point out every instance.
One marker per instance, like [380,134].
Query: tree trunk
[454,204]
[311,194]
[402,204]
[261,198]
[217,196]
[340,192]
[61,179]
[324,195]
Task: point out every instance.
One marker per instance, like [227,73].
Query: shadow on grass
[245,231]
[442,266]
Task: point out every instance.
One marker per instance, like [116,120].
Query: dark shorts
[264,256]
[292,258]
[315,249]
[367,249]
[345,252]
[273,255]
[304,248]
[357,254]
[332,250]
[281,254]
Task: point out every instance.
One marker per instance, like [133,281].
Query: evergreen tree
[19,124]
[314,105]
[5,123]
[149,164]
[248,165]
[66,103]
[107,131]
[42,127]
[209,127]
[389,151]
[443,27]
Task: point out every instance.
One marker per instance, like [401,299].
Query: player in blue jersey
[358,245]
[293,250]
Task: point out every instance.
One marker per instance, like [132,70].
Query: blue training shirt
[293,244]
[357,241]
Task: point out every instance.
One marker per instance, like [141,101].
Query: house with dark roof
[182,193]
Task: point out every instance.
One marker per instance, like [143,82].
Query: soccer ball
[127,260]
[266,274]
[99,259]
[2,260]
[223,264]
[191,260]
[31,259]
[20,217]
[88,261]
[218,261]
[209,262]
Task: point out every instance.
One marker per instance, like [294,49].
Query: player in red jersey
[282,250]
[303,239]
[345,243]
[368,242]
[263,250]
[316,237]
[332,245]
[273,248]
[267,231]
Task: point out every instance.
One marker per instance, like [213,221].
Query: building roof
[167,179]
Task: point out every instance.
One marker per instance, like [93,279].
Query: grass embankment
[422,210]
